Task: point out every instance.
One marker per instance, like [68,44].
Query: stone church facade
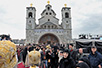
[48,30]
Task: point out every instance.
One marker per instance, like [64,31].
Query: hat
[66,50]
[7,54]
[93,47]
[71,45]
[34,57]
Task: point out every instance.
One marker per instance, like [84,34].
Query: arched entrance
[48,39]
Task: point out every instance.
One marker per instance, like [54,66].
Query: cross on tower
[48,2]
[65,5]
[31,4]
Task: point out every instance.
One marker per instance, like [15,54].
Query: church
[48,31]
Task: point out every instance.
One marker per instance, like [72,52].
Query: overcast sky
[86,15]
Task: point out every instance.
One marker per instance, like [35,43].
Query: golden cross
[31,4]
[48,2]
[65,5]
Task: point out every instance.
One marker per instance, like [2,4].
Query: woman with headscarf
[67,61]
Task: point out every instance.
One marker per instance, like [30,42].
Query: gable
[48,25]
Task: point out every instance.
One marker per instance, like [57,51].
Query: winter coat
[67,63]
[54,60]
[48,57]
[95,59]
[82,65]
[24,54]
[73,54]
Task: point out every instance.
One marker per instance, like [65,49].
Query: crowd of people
[58,56]
[48,56]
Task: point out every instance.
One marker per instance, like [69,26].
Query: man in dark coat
[54,59]
[48,57]
[95,58]
[73,52]
[24,54]
[67,61]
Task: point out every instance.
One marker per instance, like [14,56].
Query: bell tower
[66,20]
[30,17]
[30,23]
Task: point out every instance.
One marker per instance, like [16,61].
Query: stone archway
[49,39]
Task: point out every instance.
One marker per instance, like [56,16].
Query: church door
[48,39]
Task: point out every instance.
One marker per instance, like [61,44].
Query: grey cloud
[93,25]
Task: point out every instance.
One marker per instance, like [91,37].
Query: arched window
[45,26]
[48,27]
[50,13]
[66,15]
[30,14]
[48,8]
[52,26]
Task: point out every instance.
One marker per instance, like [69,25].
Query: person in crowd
[55,47]
[63,45]
[80,53]
[86,60]
[70,47]
[25,52]
[95,58]
[67,61]
[82,65]
[4,38]
[60,55]
[43,58]
[21,56]
[37,48]
[31,48]
[72,52]
[41,49]
[54,58]
[48,58]
[18,54]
